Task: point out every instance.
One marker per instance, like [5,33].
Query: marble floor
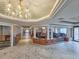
[66,50]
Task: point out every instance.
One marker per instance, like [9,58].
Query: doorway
[76,33]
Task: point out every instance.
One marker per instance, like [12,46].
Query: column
[34,32]
[11,36]
[52,30]
[48,33]
[21,32]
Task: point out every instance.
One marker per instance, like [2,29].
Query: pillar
[34,32]
[48,33]
[21,32]
[52,30]
[11,36]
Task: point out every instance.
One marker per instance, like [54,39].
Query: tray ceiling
[38,9]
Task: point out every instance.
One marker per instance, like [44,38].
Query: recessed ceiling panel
[27,9]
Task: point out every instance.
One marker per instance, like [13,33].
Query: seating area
[5,40]
[43,41]
[57,37]
[4,37]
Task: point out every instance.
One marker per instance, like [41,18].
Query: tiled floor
[67,50]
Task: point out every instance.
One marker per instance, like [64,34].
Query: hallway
[66,50]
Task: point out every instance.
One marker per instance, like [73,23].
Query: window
[76,33]
[63,30]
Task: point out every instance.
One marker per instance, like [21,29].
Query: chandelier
[19,11]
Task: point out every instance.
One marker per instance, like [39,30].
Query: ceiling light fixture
[21,11]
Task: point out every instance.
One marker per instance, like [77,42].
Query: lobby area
[34,29]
